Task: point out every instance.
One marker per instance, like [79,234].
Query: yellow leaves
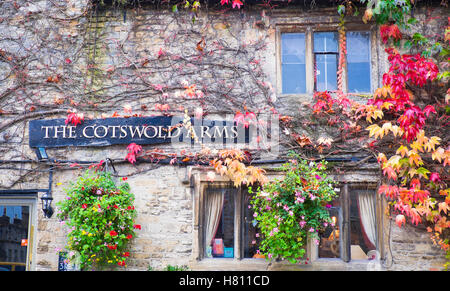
[441,155]
[438,154]
[375,130]
[443,206]
[402,150]
[414,158]
[230,163]
[393,162]
[373,112]
[380,132]
[434,141]
[382,92]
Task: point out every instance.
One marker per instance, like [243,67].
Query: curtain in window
[213,212]
[367,211]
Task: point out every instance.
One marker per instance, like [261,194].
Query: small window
[358,61]
[229,225]
[325,61]
[293,68]
[358,210]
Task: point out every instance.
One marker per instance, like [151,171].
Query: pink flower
[311,229]
[302,223]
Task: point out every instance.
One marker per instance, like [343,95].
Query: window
[358,61]
[325,61]
[354,234]
[293,63]
[228,224]
[17,222]
[310,59]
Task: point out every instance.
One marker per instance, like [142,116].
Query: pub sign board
[48,133]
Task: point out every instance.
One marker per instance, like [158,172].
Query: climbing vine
[412,103]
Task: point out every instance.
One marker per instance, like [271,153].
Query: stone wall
[142,59]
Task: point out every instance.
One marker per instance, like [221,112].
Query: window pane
[329,246]
[363,231]
[326,72]
[251,232]
[13,237]
[219,222]
[325,42]
[358,61]
[293,63]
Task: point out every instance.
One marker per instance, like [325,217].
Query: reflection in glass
[325,42]
[326,76]
[325,61]
[293,70]
[219,222]
[13,237]
[329,246]
[358,61]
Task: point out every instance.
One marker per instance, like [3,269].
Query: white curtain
[367,211]
[213,212]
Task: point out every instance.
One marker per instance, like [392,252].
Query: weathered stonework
[112,59]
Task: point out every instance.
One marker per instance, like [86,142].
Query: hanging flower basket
[100,217]
[290,210]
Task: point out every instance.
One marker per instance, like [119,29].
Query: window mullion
[345,233]
[309,61]
[238,241]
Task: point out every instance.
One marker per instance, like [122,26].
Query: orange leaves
[384,92]
[302,140]
[230,163]
[444,207]
[388,190]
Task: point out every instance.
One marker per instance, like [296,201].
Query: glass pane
[219,222]
[293,48]
[251,232]
[13,237]
[363,230]
[325,42]
[293,63]
[358,61]
[294,78]
[329,246]
[326,72]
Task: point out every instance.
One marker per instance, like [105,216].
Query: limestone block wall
[101,62]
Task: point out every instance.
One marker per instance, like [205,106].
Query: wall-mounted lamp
[46,200]
[41,154]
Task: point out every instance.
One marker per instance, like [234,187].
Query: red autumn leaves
[406,69]
[390,31]
[133,150]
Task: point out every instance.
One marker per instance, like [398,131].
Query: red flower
[129,236]
[115,206]
[113,247]
[124,178]
[84,206]
[126,254]
[137,226]
[122,263]
[130,207]
[113,233]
